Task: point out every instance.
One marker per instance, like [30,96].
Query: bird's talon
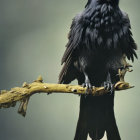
[109,86]
[88,87]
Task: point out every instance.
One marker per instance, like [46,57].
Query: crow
[99,39]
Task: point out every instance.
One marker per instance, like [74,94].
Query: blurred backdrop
[33,34]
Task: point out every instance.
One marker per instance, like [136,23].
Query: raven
[99,38]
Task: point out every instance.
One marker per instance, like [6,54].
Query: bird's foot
[88,86]
[109,86]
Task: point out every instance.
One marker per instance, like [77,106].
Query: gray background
[33,34]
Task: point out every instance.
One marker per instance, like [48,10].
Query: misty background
[33,34]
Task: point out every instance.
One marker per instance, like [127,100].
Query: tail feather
[113,132]
[82,129]
[90,122]
[97,134]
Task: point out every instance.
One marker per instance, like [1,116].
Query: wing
[129,45]
[68,72]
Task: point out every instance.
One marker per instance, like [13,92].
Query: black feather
[98,39]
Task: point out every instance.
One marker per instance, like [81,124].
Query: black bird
[99,38]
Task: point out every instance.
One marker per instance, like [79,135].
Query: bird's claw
[109,86]
[88,87]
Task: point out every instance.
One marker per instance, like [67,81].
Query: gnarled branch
[9,98]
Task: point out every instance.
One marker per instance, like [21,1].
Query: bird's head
[111,1]
[114,2]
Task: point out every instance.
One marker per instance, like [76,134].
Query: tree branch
[9,98]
